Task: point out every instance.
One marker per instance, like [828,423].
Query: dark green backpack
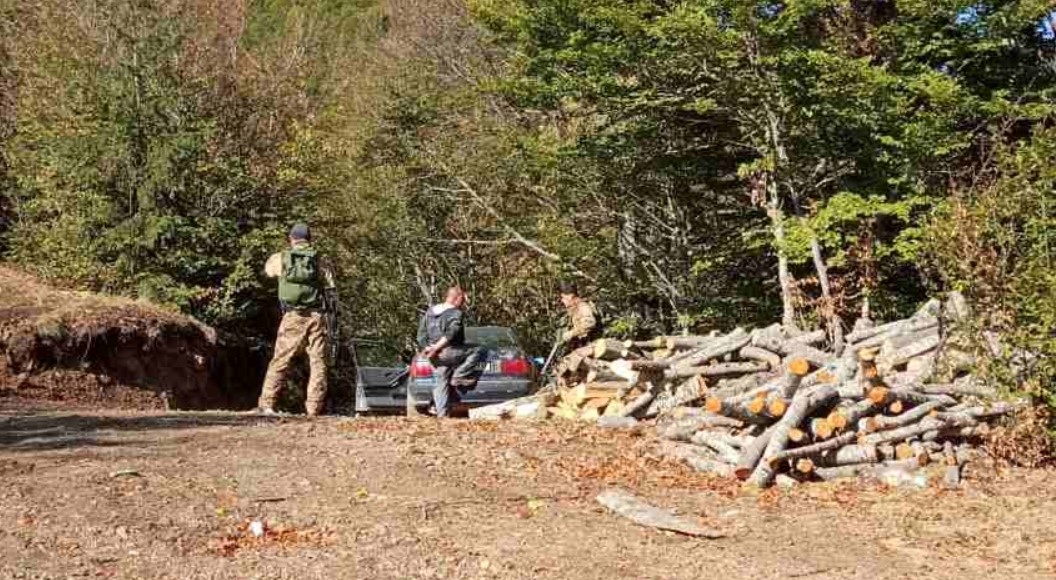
[299,283]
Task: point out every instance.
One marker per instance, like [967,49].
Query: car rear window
[491,336]
[370,353]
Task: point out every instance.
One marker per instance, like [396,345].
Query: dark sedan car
[382,377]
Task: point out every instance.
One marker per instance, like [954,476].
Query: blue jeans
[456,364]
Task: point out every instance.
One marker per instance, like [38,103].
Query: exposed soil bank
[106,351]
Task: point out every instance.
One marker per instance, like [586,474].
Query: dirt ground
[170,495]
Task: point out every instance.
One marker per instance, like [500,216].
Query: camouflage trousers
[298,330]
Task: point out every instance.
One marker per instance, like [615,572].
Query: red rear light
[421,369]
[516,366]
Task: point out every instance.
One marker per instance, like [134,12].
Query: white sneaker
[266,411]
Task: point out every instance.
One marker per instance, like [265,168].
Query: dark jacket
[442,320]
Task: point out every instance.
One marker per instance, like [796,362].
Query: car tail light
[421,369]
[519,366]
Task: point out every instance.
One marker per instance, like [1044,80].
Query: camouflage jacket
[583,322]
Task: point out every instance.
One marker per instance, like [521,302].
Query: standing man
[442,338]
[584,324]
[305,280]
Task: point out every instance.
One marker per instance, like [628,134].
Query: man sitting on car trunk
[442,338]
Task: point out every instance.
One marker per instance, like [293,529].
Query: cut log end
[821,428]
[837,420]
[713,405]
[799,367]
[756,405]
[776,407]
[804,465]
[878,395]
[868,354]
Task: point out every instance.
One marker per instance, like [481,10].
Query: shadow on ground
[50,431]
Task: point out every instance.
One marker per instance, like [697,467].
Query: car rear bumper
[487,392]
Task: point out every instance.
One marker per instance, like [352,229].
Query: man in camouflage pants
[305,278]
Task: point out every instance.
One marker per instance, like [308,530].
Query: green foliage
[995,240]
[135,176]
[643,148]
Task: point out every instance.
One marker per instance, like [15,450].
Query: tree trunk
[784,276]
[835,324]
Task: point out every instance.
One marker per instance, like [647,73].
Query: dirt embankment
[85,348]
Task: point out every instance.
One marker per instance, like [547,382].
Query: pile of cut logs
[780,404]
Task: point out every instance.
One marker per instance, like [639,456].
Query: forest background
[692,165]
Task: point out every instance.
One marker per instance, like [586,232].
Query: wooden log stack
[756,404]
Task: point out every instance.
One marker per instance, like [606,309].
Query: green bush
[995,240]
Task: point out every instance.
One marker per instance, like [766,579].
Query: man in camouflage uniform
[305,278]
[584,326]
[442,338]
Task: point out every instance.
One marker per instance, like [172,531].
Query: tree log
[812,338]
[965,432]
[884,396]
[919,429]
[746,410]
[752,453]
[772,359]
[882,422]
[998,409]
[609,350]
[735,387]
[651,344]
[821,428]
[532,407]
[718,443]
[625,504]
[773,341]
[695,457]
[689,391]
[921,344]
[716,370]
[841,472]
[849,455]
[640,404]
[573,362]
[683,429]
[803,404]
[854,412]
[776,405]
[632,370]
[876,336]
[795,370]
[968,387]
[722,346]
[687,342]
[815,449]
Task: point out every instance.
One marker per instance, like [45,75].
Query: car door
[381,375]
